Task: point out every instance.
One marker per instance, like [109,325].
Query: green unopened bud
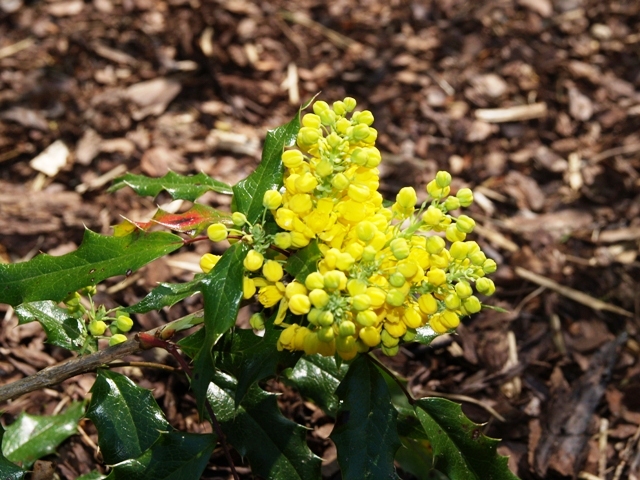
[443,179]
[72,300]
[364,117]
[489,266]
[282,240]
[452,301]
[463,289]
[485,286]
[395,297]
[325,318]
[453,234]
[407,197]
[451,203]
[465,195]
[465,224]
[459,250]
[472,304]
[360,302]
[397,280]
[326,334]
[388,340]
[367,318]
[334,280]
[339,107]
[346,328]
[117,339]
[349,103]
[478,258]
[340,181]
[324,168]
[124,323]
[319,298]
[400,248]
[432,216]
[435,244]
[97,328]
[238,219]
[360,132]
[257,321]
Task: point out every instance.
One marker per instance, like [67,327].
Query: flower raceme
[384,271]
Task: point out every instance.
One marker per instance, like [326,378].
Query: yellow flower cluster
[384,271]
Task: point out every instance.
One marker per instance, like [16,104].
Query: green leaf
[31,437]
[94,475]
[166,295]
[222,293]
[126,416]
[99,257]
[425,335]
[248,193]
[304,261]
[365,434]
[180,187]
[174,456]
[414,457]
[61,328]
[275,446]
[251,358]
[8,470]
[460,450]
[317,378]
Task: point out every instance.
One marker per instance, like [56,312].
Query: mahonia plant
[334,272]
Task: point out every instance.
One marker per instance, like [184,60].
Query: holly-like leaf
[222,293]
[365,433]
[180,187]
[8,470]
[317,378]
[251,358]
[248,193]
[174,456]
[425,335]
[62,329]
[98,257]
[304,261]
[414,456]
[126,416]
[31,437]
[274,445]
[460,450]
[165,295]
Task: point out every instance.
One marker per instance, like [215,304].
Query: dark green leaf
[99,257]
[8,470]
[251,358]
[192,344]
[365,433]
[166,295]
[180,187]
[317,378]
[460,450]
[425,335]
[32,436]
[248,193]
[222,293]
[126,416]
[274,445]
[62,329]
[174,456]
[304,261]
[414,457]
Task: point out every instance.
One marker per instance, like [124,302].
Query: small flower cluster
[99,319]
[384,271]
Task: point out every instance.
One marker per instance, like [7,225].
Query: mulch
[533,104]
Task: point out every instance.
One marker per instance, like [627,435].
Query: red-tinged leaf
[193,220]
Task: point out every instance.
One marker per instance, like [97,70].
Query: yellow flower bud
[459,250]
[257,321]
[485,286]
[432,216]
[428,304]
[356,287]
[324,168]
[117,339]
[272,199]
[395,297]
[435,244]
[97,328]
[377,296]
[387,339]
[489,266]
[253,261]
[465,195]
[367,318]
[407,197]
[299,304]
[287,337]
[294,288]
[326,334]
[349,103]
[365,230]
[360,132]
[465,224]
[453,234]
[400,248]
[308,136]
[436,276]
[344,261]
[124,323]
[282,240]
[208,261]
[334,280]
[451,203]
[443,179]
[292,158]
[472,304]
[319,298]
[311,120]
[360,302]
[272,271]
[452,301]
[248,288]
[463,289]
[346,328]
[269,295]
[314,280]
[396,330]
[217,232]
[477,258]
[369,336]
[340,182]
[412,317]
[437,325]
[449,319]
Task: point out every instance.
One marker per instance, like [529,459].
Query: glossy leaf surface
[180,187]
[8,469]
[126,416]
[62,329]
[99,257]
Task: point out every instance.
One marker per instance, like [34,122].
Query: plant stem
[149,341]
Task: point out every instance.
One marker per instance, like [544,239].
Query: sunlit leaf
[365,433]
[248,193]
[317,378]
[425,335]
[31,437]
[126,416]
[98,257]
[8,470]
[174,456]
[180,187]
[62,329]
[166,295]
[460,450]
[275,446]
[222,293]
